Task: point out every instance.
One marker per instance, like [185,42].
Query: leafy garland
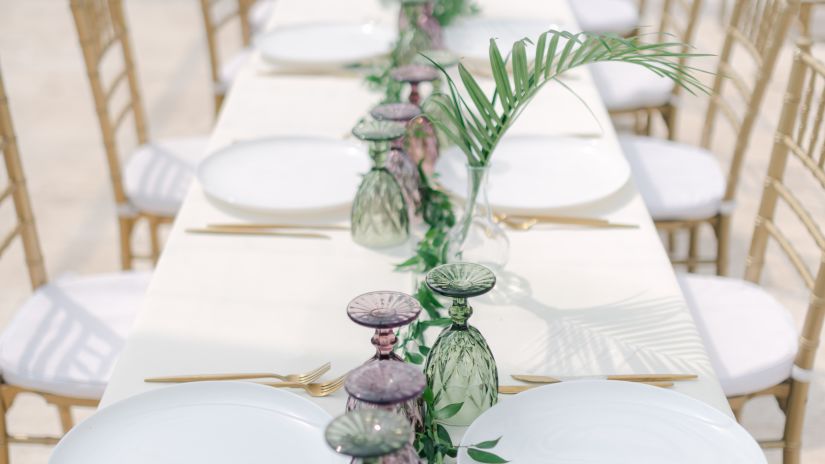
[433,443]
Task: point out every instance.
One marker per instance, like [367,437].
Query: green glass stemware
[380,214]
[460,367]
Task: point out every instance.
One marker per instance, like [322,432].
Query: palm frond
[476,126]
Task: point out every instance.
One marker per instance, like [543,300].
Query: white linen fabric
[230,69]
[750,337]
[676,180]
[66,337]
[605,16]
[157,176]
[628,86]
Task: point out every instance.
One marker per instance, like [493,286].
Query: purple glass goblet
[384,311]
[415,74]
[391,386]
[399,163]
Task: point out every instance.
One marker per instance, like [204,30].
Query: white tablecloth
[571,301]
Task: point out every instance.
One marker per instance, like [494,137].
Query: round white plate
[326,44]
[470,38]
[597,422]
[285,174]
[204,423]
[536,173]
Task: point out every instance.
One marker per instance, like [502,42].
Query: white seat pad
[66,337]
[259,15]
[231,68]
[605,16]
[677,181]
[628,86]
[158,174]
[750,337]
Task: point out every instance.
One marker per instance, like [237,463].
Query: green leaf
[485,456]
[414,358]
[424,350]
[521,75]
[427,396]
[443,435]
[448,411]
[499,69]
[486,444]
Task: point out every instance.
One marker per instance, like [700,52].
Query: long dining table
[572,301]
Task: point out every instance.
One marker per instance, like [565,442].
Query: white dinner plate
[537,173]
[598,422]
[326,44]
[204,423]
[470,38]
[285,174]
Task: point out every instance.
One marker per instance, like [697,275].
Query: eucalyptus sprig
[478,126]
[447,11]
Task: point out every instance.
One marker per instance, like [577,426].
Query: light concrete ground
[63,158]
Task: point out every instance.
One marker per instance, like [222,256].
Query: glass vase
[380,214]
[476,237]
[460,367]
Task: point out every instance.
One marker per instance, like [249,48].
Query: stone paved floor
[64,162]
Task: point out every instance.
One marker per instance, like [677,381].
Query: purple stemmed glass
[399,162]
[384,311]
[391,386]
[415,74]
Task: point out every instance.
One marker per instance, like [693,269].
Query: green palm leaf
[477,126]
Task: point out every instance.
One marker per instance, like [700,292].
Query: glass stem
[460,311]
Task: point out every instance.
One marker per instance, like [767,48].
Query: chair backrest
[753,39]
[101,28]
[678,21]
[800,137]
[15,190]
[216,15]
[806,16]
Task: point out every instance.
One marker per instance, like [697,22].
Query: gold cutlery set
[307,380]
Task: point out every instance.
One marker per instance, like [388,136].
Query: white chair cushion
[158,174]
[677,181]
[628,86]
[231,68]
[66,337]
[750,337]
[605,16]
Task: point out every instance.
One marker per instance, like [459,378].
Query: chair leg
[794,419]
[671,242]
[722,244]
[218,102]
[4,434]
[669,117]
[66,420]
[693,248]
[127,225]
[154,238]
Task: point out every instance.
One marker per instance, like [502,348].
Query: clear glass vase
[380,213]
[476,237]
[460,367]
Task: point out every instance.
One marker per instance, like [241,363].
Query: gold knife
[624,377]
[242,231]
[514,389]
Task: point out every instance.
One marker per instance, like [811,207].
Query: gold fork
[304,378]
[314,389]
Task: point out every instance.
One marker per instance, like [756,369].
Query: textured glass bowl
[368,433]
[378,131]
[383,309]
[385,383]
[415,73]
[461,280]
[398,112]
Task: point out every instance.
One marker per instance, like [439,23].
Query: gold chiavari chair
[218,14]
[751,338]
[148,186]
[684,186]
[806,17]
[62,342]
[627,89]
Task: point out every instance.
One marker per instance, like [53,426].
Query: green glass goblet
[372,436]
[380,214]
[460,367]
